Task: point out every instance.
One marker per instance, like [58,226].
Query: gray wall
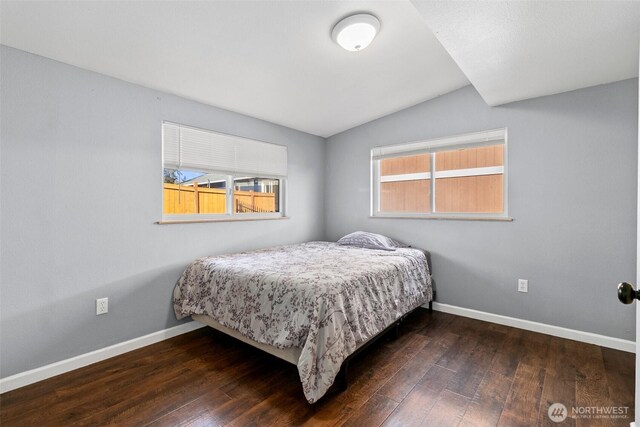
[77,146]
[81,170]
[572,193]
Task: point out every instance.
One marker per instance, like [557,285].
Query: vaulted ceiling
[514,50]
[275,60]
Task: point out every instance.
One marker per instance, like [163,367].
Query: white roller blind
[476,139]
[197,149]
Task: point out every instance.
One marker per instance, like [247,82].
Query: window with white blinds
[462,176]
[211,175]
[197,149]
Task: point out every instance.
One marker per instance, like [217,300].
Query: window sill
[193,221]
[440,217]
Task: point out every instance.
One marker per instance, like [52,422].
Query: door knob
[626,293]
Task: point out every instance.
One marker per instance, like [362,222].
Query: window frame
[230,214]
[433,146]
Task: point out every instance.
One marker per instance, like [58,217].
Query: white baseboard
[29,377]
[557,331]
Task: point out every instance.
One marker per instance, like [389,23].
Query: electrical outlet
[523,285]
[102,306]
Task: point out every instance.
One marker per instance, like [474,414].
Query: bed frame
[342,380]
[292,355]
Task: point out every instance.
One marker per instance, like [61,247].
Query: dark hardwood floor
[442,370]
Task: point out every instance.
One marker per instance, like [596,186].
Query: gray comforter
[319,296]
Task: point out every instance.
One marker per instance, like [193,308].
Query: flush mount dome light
[356,32]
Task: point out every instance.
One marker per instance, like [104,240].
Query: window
[208,175]
[459,176]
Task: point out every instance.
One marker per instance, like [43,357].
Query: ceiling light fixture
[356,32]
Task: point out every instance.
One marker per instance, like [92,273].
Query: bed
[313,304]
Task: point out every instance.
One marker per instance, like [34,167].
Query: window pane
[474,194]
[467,158]
[256,195]
[406,196]
[400,189]
[406,164]
[193,192]
[471,191]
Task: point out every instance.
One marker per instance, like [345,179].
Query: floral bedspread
[318,296]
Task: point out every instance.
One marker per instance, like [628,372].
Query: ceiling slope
[272,60]
[514,50]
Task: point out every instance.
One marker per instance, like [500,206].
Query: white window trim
[475,139]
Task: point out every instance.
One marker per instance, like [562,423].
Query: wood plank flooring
[443,370]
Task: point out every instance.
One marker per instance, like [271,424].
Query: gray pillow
[363,239]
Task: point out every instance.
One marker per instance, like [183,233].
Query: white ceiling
[514,50]
[275,60]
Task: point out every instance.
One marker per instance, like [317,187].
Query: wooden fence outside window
[406,181]
[182,199]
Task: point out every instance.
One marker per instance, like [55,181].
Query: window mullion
[230,195]
[378,175]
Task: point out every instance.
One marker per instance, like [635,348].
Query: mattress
[321,298]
